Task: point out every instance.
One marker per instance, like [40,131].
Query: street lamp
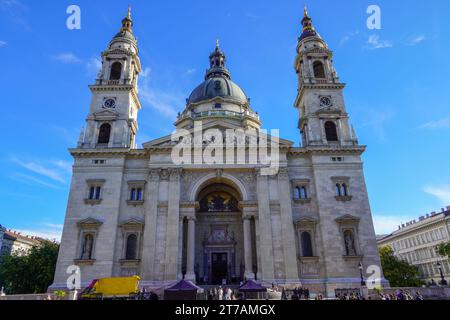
[443,281]
[360,266]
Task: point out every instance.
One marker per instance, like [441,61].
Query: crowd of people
[350,296]
[223,294]
[297,294]
[401,295]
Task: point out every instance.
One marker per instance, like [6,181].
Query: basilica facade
[135,211]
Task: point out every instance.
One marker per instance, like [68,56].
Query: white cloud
[162,101]
[3,44]
[24,178]
[191,71]
[49,231]
[437,124]
[55,170]
[93,66]
[348,37]
[377,120]
[41,170]
[15,11]
[386,224]
[67,58]
[417,40]
[64,165]
[374,42]
[441,192]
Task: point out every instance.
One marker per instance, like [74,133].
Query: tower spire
[307,26]
[127,22]
[217,62]
[129,12]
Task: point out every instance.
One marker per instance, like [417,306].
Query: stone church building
[133,211]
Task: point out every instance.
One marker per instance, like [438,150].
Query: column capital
[191,218]
[154,174]
[283,173]
[175,174]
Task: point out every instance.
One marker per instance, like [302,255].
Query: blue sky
[397,91]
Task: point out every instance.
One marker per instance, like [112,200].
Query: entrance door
[219,268]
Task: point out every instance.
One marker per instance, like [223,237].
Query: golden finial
[305,11]
[217,43]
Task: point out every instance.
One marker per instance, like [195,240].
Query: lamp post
[360,266]
[443,281]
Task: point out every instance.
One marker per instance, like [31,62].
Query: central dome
[218,98]
[218,86]
[218,82]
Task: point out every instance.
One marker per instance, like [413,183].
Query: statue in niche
[87,247]
[349,243]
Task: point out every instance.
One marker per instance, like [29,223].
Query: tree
[444,249]
[31,272]
[399,273]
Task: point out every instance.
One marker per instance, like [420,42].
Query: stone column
[172,226]
[287,227]
[149,238]
[265,229]
[112,135]
[248,255]
[180,248]
[190,268]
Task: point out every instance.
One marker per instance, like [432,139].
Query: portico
[217,234]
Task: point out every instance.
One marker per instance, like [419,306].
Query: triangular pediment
[132,223]
[105,115]
[90,222]
[329,110]
[347,218]
[222,125]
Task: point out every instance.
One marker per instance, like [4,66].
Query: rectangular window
[97,193]
[139,194]
[92,193]
[136,194]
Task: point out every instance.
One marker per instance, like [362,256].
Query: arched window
[116,71]
[306,244]
[319,71]
[131,253]
[330,131]
[338,190]
[104,133]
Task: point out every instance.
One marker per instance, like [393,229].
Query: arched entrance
[219,253]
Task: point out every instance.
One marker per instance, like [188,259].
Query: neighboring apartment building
[15,242]
[2,232]
[416,242]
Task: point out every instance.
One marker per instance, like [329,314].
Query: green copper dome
[218,82]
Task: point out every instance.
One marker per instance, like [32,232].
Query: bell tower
[112,118]
[320,102]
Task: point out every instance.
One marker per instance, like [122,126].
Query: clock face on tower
[325,102]
[109,103]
